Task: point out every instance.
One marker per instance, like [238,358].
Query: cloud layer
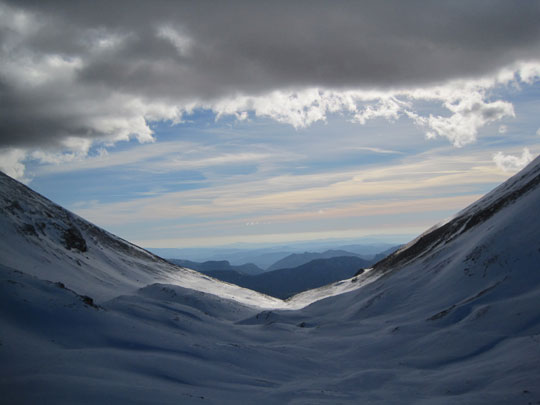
[412,193]
[101,71]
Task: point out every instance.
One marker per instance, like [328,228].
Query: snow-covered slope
[476,214]
[42,239]
[451,318]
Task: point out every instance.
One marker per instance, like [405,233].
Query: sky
[182,124]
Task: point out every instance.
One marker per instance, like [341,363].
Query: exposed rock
[73,239]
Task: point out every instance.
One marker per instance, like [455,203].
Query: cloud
[253,47]
[467,101]
[181,42]
[388,108]
[274,196]
[298,108]
[375,150]
[468,115]
[11,163]
[70,72]
[164,157]
[510,163]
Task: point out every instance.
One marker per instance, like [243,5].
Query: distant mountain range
[266,257]
[218,265]
[291,275]
[298,259]
[284,283]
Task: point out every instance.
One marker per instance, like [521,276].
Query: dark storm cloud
[228,48]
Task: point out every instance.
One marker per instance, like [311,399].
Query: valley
[450,317]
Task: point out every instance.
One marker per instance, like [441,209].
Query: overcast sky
[202,123]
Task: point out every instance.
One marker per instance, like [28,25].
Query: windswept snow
[451,318]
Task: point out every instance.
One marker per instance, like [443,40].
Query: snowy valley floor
[169,345]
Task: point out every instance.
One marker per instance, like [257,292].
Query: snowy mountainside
[491,248]
[43,239]
[477,213]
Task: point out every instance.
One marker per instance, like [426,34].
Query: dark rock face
[73,239]
[88,301]
[359,272]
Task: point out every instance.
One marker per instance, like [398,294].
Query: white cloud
[74,149]
[388,108]
[299,108]
[11,163]
[468,116]
[469,104]
[510,163]
[529,72]
[467,101]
